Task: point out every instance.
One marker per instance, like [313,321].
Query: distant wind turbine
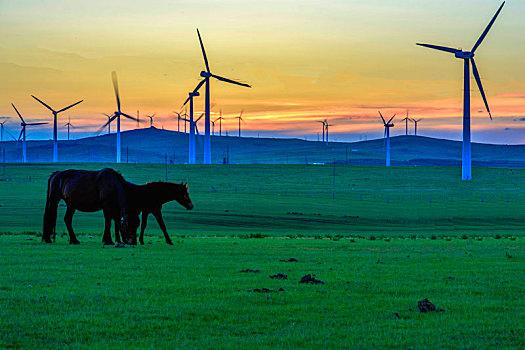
[220,122]
[324,122]
[117,114]
[55,136]
[193,129]
[151,119]
[207,75]
[415,125]
[138,119]
[2,129]
[68,124]
[406,119]
[22,135]
[468,57]
[108,123]
[240,119]
[326,125]
[191,95]
[387,125]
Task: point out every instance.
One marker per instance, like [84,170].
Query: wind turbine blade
[17,112]
[128,116]
[240,115]
[391,119]
[40,123]
[21,132]
[51,109]
[115,86]
[106,124]
[487,29]
[441,48]
[68,107]
[478,80]
[203,52]
[383,119]
[199,118]
[230,81]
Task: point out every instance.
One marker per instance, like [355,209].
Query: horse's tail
[50,213]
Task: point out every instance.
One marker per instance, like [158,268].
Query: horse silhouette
[149,199]
[90,191]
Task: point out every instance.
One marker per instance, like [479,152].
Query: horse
[149,199]
[90,191]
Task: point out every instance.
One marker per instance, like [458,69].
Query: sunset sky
[307,60]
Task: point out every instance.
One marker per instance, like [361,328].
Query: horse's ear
[186,185]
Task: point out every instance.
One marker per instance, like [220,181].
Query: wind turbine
[151,119]
[220,122]
[207,75]
[387,125]
[240,119]
[68,124]
[55,138]
[193,128]
[326,125]
[2,128]
[138,119]
[324,122]
[468,58]
[415,125]
[406,119]
[117,114]
[108,123]
[23,124]
[191,95]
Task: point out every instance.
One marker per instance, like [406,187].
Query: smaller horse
[90,191]
[149,199]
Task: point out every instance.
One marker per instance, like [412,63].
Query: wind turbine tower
[324,122]
[415,125]
[406,119]
[207,75]
[220,122]
[387,125]
[22,135]
[468,58]
[68,124]
[240,119]
[55,134]
[191,95]
[117,115]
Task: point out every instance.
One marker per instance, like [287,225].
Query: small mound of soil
[265,290]
[289,260]
[279,276]
[120,245]
[310,279]
[250,270]
[426,306]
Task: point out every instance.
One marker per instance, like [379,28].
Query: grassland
[194,295]
[299,200]
[380,239]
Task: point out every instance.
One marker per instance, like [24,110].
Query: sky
[340,60]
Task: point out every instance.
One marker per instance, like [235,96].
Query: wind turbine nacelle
[464,55]
[391,125]
[194,94]
[205,74]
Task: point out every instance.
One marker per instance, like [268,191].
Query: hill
[153,145]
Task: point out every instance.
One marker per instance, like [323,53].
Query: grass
[380,238]
[283,200]
[193,295]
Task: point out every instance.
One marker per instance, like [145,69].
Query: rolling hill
[153,145]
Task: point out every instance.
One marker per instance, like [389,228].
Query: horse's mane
[117,174]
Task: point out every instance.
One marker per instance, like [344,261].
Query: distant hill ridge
[153,145]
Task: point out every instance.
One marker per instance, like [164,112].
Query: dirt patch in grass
[279,276]
[310,280]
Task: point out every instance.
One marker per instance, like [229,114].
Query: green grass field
[381,240]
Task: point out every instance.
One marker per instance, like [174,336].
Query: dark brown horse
[149,199]
[90,191]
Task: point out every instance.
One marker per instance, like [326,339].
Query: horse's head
[129,226]
[184,198]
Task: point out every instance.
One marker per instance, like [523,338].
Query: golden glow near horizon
[307,61]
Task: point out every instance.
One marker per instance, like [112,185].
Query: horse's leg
[68,219]
[50,218]
[106,239]
[158,216]
[116,218]
[143,226]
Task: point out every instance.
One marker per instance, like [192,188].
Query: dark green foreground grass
[193,295]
